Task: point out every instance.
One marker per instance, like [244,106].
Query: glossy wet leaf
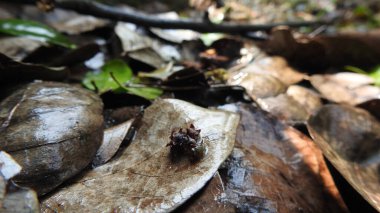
[144,177]
[349,137]
[34,30]
[50,128]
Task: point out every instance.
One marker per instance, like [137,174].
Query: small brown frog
[187,142]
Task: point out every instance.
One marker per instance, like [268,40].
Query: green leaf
[375,74]
[114,75]
[356,70]
[104,81]
[34,30]
[145,92]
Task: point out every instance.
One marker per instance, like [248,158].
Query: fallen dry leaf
[275,66]
[143,177]
[348,88]
[284,108]
[309,99]
[294,107]
[349,138]
[258,85]
[112,139]
[73,23]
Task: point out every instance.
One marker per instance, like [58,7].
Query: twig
[143,19]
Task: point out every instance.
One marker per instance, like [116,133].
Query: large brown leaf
[350,138]
[143,177]
[273,168]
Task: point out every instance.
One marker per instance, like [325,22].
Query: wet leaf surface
[347,88]
[143,177]
[273,168]
[35,30]
[52,130]
[349,138]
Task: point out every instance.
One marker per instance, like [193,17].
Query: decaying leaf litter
[256,86]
